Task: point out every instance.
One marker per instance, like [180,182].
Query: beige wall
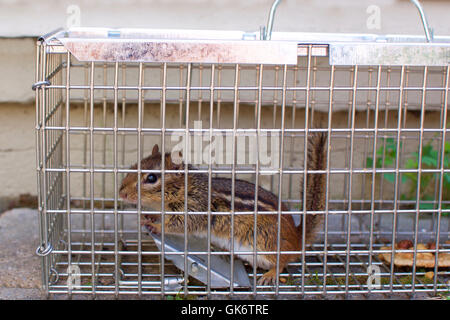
[19,18]
[25,20]
[17,149]
[17,138]
[17,66]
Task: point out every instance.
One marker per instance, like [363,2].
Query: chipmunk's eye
[151,178]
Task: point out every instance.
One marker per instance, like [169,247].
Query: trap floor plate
[197,264]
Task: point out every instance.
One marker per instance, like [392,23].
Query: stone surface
[21,294]
[20,268]
[19,265]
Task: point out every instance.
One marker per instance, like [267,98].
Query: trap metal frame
[105,96]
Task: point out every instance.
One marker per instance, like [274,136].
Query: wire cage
[105,97]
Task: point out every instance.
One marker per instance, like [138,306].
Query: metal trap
[105,97]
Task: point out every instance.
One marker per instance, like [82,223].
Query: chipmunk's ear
[169,163]
[155,150]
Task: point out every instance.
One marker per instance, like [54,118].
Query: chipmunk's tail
[315,184]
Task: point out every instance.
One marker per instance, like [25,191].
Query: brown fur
[315,184]
[221,189]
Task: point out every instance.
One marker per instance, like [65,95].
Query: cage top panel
[208,46]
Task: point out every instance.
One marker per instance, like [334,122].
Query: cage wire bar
[387,169]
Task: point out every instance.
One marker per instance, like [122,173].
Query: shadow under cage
[238,109]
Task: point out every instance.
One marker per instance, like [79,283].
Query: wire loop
[42,251]
[39,84]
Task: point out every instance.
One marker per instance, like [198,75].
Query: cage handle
[266,32]
[426,27]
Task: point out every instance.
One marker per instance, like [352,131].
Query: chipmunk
[197,224]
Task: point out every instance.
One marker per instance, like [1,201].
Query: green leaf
[447,177]
[411,176]
[426,150]
[426,206]
[369,162]
[445,206]
[389,161]
[429,161]
[434,154]
[380,151]
[391,147]
[379,163]
[390,142]
[411,164]
[405,178]
[390,177]
[447,147]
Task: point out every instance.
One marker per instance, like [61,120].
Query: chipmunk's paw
[269,278]
[148,217]
[152,227]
